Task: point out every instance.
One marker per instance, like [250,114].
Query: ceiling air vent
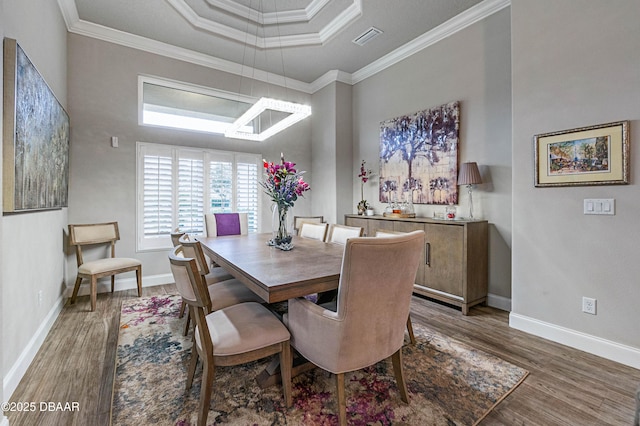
[367,36]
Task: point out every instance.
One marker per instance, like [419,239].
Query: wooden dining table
[275,275]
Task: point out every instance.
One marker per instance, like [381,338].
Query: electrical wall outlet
[589,305]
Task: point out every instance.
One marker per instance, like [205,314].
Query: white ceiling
[303,44]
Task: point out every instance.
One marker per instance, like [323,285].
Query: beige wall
[32,256]
[577,66]
[473,67]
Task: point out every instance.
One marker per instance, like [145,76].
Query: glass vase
[281,236]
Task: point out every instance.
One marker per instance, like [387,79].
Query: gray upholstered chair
[224,290]
[385,233]
[339,233]
[314,231]
[95,234]
[220,224]
[234,335]
[374,294]
[299,220]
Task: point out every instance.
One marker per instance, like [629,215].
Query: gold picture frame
[594,155]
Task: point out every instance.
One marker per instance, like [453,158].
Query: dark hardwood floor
[565,386]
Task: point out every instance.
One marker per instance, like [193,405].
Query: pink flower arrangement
[283,183]
[364,176]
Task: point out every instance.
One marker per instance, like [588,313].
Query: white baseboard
[12,379]
[104,286]
[499,302]
[613,351]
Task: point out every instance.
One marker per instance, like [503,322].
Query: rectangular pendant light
[297,112]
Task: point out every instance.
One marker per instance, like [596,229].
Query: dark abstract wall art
[419,156]
[35,138]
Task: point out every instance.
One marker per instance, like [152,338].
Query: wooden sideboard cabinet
[455,256]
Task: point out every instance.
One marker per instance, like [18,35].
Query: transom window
[168,103]
[178,185]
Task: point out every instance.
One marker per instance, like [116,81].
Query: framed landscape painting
[594,155]
[35,138]
[419,156]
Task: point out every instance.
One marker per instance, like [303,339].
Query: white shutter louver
[157,196]
[191,195]
[247,192]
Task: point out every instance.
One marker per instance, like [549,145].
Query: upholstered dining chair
[106,234]
[224,290]
[299,220]
[314,231]
[175,240]
[374,294]
[339,233]
[234,335]
[220,224]
[386,233]
[175,237]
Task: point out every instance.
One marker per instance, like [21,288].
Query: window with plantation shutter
[178,185]
[247,191]
[157,195]
[191,194]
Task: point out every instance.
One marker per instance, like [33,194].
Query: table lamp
[469,175]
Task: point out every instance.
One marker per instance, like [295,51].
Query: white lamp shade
[469,174]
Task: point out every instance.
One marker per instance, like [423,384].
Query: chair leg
[94,292]
[182,306]
[139,280]
[342,400]
[186,324]
[398,370]
[412,337]
[192,365]
[208,374]
[76,287]
[113,283]
[286,362]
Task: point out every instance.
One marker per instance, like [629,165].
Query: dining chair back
[299,220]
[387,233]
[220,224]
[83,236]
[175,237]
[224,290]
[235,335]
[314,231]
[340,233]
[373,302]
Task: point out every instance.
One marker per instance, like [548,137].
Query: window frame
[144,244]
[188,87]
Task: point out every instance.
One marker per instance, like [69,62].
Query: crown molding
[329,77]
[452,26]
[340,22]
[270,18]
[122,38]
[455,24]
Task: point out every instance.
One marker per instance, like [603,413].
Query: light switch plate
[600,206]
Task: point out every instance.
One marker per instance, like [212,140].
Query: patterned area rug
[449,383]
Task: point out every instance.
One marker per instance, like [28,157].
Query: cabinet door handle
[428,254]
